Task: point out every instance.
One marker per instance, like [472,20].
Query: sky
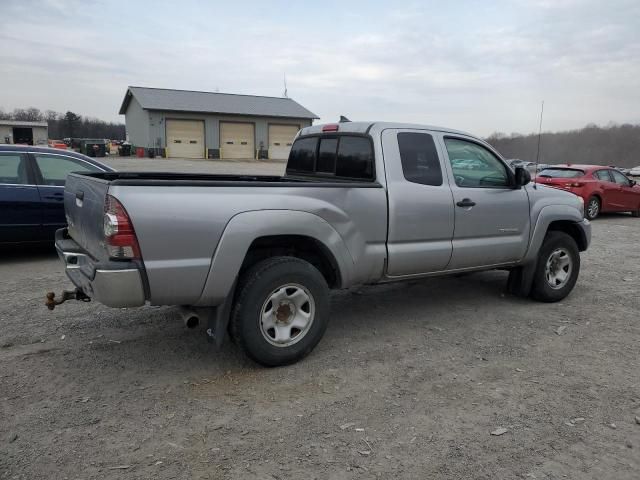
[478,66]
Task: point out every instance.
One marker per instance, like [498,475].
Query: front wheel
[281,311]
[557,268]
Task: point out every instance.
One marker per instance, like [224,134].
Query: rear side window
[341,156]
[419,158]
[302,157]
[602,175]
[55,168]
[13,169]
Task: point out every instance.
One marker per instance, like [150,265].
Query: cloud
[479,67]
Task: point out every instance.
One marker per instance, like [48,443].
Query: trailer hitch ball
[76,294]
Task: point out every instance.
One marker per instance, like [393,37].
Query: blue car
[32,190]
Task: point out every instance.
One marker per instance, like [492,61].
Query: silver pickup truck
[360,203]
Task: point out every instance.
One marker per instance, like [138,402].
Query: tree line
[68,125]
[617,145]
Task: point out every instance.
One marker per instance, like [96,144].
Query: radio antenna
[535,173]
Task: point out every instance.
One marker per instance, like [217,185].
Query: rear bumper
[112,284]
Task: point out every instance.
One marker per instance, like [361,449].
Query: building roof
[210,102]
[20,123]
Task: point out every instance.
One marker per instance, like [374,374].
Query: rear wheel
[592,209]
[281,311]
[557,268]
[636,212]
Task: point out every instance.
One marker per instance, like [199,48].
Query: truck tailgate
[84,200]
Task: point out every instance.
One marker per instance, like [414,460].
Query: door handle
[54,197]
[466,202]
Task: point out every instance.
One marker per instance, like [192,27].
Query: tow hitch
[76,294]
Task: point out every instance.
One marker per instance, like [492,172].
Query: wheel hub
[287,315]
[284,313]
[558,268]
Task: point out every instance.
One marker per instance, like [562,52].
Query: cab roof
[365,127]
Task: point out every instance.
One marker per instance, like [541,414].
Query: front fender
[548,215]
[246,227]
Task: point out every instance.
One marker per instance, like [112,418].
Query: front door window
[475,166]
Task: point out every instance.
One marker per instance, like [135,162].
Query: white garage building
[25,133]
[188,124]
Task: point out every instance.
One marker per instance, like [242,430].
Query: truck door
[420,203]
[491,217]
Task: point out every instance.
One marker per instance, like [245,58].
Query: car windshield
[561,173]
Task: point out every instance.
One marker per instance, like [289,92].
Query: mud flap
[521,280]
[217,319]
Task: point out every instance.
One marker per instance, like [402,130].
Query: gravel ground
[409,382]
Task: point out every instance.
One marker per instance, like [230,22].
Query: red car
[603,189]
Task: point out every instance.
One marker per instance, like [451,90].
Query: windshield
[561,173]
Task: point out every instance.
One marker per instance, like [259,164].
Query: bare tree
[69,124]
[51,115]
[611,145]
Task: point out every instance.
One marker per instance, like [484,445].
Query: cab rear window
[302,157]
[336,156]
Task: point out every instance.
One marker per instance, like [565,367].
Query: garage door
[236,140]
[185,138]
[280,140]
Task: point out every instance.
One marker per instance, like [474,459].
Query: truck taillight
[120,237]
[332,127]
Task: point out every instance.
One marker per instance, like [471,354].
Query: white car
[635,172]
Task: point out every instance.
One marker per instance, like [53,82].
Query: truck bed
[180,219]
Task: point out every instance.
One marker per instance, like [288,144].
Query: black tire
[592,208]
[255,287]
[541,289]
[635,213]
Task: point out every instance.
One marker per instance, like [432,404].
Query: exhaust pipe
[189,317]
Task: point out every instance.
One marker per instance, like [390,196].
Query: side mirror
[632,183]
[522,177]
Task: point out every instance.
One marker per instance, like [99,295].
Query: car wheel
[636,213]
[592,209]
[557,268]
[281,311]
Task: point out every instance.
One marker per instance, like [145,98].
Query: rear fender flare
[246,227]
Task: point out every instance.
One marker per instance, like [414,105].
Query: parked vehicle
[32,190]
[360,203]
[635,172]
[93,147]
[530,166]
[603,189]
